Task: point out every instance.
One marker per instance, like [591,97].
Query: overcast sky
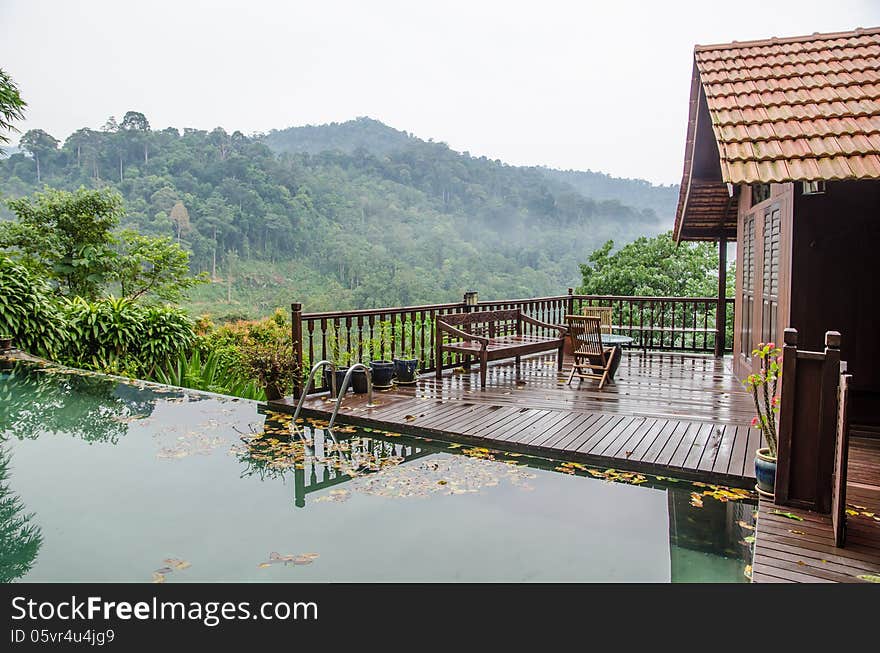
[584,85]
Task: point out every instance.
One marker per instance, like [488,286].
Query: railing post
[828,424]
[721,306]
[788,389]
[569,307]
[296,341]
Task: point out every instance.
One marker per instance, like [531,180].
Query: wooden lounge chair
[604,313]
[592,360]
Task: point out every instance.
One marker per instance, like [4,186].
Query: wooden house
[783,157]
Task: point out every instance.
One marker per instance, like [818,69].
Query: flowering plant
[762,385]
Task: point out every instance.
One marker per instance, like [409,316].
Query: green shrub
[208,374]
[28,312]
[122,336]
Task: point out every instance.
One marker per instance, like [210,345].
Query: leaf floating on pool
[747,572]
[696,500]
[291,559]
[172,564]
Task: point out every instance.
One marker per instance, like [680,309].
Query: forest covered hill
[344,215]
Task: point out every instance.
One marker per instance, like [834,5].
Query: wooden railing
[663,323]
[666,323]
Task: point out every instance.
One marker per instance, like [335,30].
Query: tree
[153,266]
[66,237]
[180,219]
[39,145]
[653,267]
[11,106]
[136,126]
[85,144]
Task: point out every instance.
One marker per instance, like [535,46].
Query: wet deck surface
[792,551]
[672,414]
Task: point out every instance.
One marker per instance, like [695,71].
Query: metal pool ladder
[320,366]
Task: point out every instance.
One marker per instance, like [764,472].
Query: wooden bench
[494,335]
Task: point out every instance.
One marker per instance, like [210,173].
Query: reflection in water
[92,407]
[20,539]
[519,518]
[703,519]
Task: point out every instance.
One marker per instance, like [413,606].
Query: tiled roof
[802,108]
[784,109]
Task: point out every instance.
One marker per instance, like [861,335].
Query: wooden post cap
[790,337]
[296,307]
[571,291]
[832,339]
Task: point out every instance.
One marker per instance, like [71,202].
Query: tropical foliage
[656,266]
[208,374]
[341,216]
[27,311]
[122,336]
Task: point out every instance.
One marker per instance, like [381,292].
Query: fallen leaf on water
[745,525]
[787,515]
[163,570]
[158,578]
[747,572]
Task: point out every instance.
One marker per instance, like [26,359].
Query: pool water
[107,480]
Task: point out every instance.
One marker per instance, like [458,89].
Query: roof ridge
[815,36]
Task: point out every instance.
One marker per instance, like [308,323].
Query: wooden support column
[569,306]
[721,306]
[296,340]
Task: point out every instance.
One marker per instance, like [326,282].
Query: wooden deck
[671,414]
[792,551]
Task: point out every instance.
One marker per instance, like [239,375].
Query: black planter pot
[406,370]
[5,344]
[359,381]
[340,377]
[383,373]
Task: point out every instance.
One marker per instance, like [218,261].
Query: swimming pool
[119,480]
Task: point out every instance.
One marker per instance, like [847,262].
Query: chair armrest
[561,329]
[463,334]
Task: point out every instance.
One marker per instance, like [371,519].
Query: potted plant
[272,363]
[763,385]
[338,354]
[382,370]
[5,342]
[406,366]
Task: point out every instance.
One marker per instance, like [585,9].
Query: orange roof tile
[789,109]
